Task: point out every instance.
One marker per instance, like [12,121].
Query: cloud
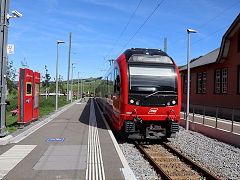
[109,4]
[86,28]
[51,5]
[84,15]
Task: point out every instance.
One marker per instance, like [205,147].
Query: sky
[103,29]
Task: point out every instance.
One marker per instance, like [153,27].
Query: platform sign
[10,49]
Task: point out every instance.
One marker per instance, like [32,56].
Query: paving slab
[65,159]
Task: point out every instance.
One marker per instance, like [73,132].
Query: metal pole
[4,10]
[232,119]
[78,86]
[216,117]
[72,85]
[165,44]
[193,114]
[81,88]
[68,66]
[57,80]
[188,77]
[203,114]
[188,84]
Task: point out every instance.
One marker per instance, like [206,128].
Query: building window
[201,82]
[204,82]
[185,84]
[224,80]
[217,81]
[221,81]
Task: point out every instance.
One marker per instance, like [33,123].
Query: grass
[46,106]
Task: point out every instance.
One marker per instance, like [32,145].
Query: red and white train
[141,94]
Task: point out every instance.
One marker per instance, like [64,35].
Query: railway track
[171,164]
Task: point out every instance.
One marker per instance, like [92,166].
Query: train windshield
[161,79]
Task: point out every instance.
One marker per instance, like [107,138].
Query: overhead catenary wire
[140,27]
[211,19]
[206,37]
[219,14]
[195,42]
[125,28]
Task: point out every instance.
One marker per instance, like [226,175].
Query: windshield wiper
[159,92]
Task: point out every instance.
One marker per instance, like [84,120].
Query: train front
[153,103]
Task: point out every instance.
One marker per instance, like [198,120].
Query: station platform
[77,144]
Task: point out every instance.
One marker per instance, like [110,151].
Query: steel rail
[198,168]
[152,162]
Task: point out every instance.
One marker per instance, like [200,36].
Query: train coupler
[155,132]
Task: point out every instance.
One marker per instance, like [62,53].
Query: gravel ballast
[219,158]
[140,167]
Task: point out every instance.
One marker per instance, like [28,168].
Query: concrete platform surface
[74,145]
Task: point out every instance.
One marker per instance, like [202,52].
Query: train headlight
[137,103]
[168,103]
[173,102]
[131,101]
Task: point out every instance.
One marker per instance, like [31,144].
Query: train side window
[117,81]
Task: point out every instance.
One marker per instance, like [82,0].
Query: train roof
[129,52]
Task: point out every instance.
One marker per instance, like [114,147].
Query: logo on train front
[153,111]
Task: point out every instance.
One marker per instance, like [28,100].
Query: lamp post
[68,66]
[72,83]
[188,77]
[81,88]
[58,42]
[4,22]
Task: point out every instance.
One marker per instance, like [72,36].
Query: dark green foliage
[46,78]
[11,75]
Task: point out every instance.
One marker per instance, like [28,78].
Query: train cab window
[161,79]
[28,89]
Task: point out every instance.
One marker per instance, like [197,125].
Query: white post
[188,77]
[58,42]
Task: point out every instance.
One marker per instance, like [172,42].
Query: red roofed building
[215,77]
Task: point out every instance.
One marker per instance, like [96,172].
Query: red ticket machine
[25,95]
[36,94]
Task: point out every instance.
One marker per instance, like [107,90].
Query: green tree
[46,78]
[11,75]
[61,84]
